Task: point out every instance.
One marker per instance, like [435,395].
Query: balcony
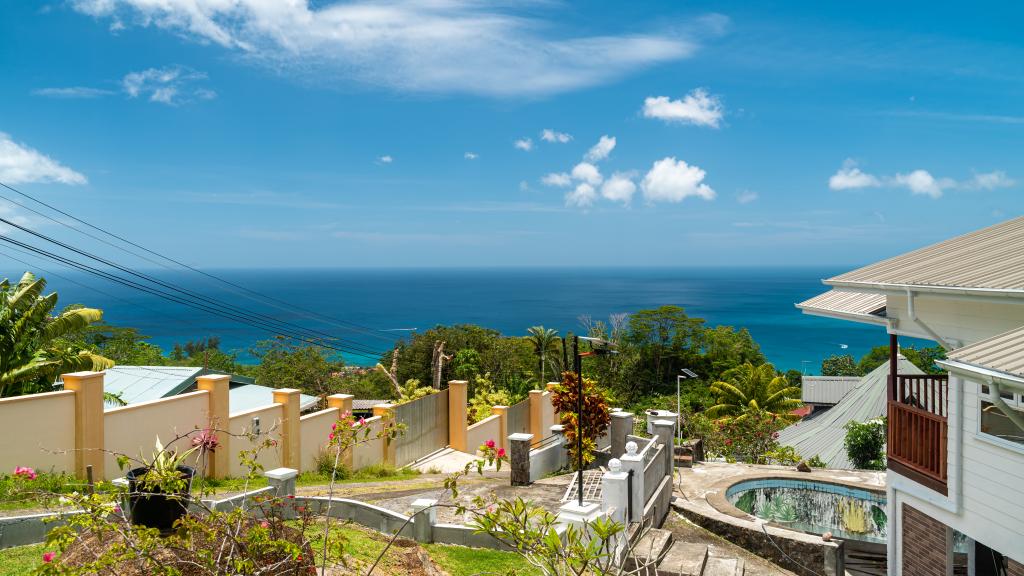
[918,428]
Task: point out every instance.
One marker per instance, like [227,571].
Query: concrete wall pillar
[89,439]
[457,422]
[282,480]
[387,418]
[665,430]
[343,403]
[519,458]
[633,463]
[537,427]
[424,517]
[291,435]
[218,462]
[621,427]
[502,413]
[615,491]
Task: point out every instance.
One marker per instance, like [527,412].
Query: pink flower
[25,471]
[490,443]
[330,436]
[334,426]
[728,442]
[49,556]
[264,524]
[501,452]
[117,509]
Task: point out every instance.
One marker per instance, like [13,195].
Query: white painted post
[282,480]
[615,491]
[633,462]
[424,517]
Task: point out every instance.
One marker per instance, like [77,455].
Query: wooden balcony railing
[918,428]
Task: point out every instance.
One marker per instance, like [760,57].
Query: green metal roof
[822,434]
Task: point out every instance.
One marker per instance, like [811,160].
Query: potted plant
[158,491]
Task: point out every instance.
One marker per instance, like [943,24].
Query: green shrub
[865,444]
[817,462]
[325,466]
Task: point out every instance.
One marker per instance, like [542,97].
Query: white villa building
[956,441]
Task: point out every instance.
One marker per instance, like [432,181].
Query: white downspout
[912,314]
[1016,417]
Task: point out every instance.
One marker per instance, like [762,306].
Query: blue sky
[258,133]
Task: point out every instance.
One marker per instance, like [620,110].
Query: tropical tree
[544,341]
[34,344]
[749,389]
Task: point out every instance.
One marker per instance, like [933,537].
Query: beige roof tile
[1002,353]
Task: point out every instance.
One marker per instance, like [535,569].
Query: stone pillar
[387,417]
[457,414]
[621,428]
[343,403]
[291,435]
[519,458]
[665,430]
[632,462]
[502,413]
[424,517]
[219,461]
[615,491]
[88,387]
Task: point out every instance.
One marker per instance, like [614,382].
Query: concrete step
[652,545]
[719,566]
[683,559]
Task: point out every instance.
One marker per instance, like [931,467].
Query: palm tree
[544,340]
[751,389]
[32,346]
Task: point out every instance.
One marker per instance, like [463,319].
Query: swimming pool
[813,506]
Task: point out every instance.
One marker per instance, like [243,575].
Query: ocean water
[390,302]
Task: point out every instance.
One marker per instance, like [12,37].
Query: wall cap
[281,473]
[520,436]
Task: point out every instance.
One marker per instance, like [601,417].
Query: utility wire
[289,306]
[167,296]
[235,310]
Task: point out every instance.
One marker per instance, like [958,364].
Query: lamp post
[603,347]
[686,373]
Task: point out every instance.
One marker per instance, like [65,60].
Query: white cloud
[582,196]
[470,156]
[524,144]
[672,180]
[850,177]
[698,107]
[921,182]
[989,181]
[587,172]
[747,196]
[385,159]
[557,179]
[20,164]
[601,150]
[82,92]
[549,135]
[425,46]
[619,188]
[171,85]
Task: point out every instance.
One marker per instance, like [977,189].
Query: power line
[308,313]
[167,296]
[234,310]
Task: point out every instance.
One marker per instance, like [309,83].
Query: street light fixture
[598,347]
[685,373]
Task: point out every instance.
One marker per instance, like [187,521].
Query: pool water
[815,507]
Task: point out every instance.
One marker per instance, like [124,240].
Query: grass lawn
[462,561]
[20,560]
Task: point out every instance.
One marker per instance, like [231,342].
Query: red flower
[501,452]
[490,443]
[48,556]
[728,442]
